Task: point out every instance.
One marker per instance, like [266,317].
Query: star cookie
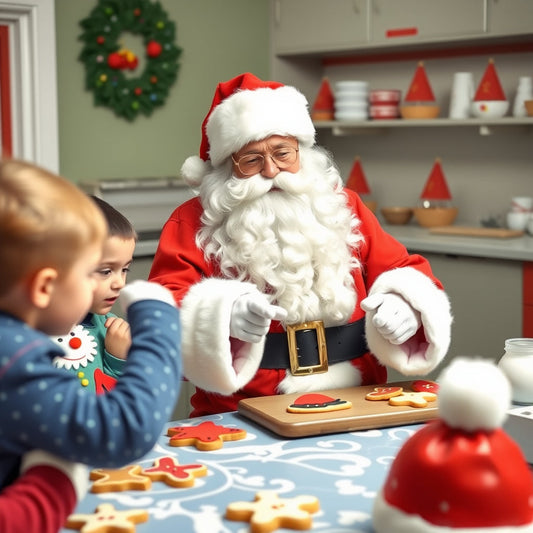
[168,470]
[205,436]
[117,480]
[107,519]
[269,512]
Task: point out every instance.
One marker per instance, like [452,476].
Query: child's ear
[42,287]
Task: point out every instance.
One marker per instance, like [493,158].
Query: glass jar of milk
[517,365]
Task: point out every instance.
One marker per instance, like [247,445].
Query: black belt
[308,348]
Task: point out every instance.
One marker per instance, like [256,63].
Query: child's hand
[118,337]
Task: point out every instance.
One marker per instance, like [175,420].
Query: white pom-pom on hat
[474,394]
[194,169]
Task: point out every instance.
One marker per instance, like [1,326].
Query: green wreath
[110,69]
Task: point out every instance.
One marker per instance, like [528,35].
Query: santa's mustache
[257,186]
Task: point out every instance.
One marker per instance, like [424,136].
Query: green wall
[219,39]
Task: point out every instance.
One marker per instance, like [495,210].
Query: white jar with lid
[517,365]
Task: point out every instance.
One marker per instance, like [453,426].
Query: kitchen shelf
[485,126]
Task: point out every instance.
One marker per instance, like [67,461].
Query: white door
[29,31]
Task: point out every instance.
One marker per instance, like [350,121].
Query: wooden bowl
[429,217]
[371,204]
[397,215]
[529,107]
[419,111]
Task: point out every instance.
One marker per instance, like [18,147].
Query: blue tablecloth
[344,471]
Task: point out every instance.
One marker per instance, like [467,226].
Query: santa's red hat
[246,109]
[461,471]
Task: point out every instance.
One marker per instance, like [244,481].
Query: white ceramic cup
[461,95]
[521,204]
[517,221]
[530,225]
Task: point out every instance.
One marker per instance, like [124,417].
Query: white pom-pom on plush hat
[461,472]
[474,395]
[246,109]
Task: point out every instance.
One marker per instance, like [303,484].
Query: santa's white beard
[292,236]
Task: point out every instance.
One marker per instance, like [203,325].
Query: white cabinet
[321,26]
[509,17]
[318,25]
[401,21]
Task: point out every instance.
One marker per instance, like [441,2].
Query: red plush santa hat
[461,471]
[246,109]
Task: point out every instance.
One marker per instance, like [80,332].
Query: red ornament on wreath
[153,49]
[116,61]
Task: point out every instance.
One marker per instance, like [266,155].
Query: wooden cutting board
[498,233]
[271,412]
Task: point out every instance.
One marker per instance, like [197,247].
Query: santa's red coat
[229,369]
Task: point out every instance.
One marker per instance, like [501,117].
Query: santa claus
[285,280]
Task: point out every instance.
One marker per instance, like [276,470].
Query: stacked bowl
[384,103]
[351,100]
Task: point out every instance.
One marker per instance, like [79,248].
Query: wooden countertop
[418,239]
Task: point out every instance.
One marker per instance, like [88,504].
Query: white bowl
[351,106]
[349,96]
[351,85]
[351,115]
[490,108]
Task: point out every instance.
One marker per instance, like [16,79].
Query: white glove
[393,317]
[251,316]
[144,290]
[76,472]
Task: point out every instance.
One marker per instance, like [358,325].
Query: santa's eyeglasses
[251,164]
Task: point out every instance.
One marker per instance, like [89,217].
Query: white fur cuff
[210,360]
[432,303]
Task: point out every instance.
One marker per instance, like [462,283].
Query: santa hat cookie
[462,471]
[489,100]
[246,109]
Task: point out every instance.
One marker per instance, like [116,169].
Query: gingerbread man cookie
[107,519]
[269,512]
[117,480]
[414,399]
[168,470]
[384,393]
[205,436]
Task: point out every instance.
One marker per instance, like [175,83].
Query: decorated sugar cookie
[120,479]
[383,393]
[168,470]
[205,436]
[425,385]
[107,519]
[414,399]
[317,403]
[269,512]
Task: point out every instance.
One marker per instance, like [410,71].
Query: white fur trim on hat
[210,360]
[434,307]
[253,115]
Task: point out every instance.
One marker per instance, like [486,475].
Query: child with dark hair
[97,348]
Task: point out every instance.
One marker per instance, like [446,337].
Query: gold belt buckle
[296,369]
